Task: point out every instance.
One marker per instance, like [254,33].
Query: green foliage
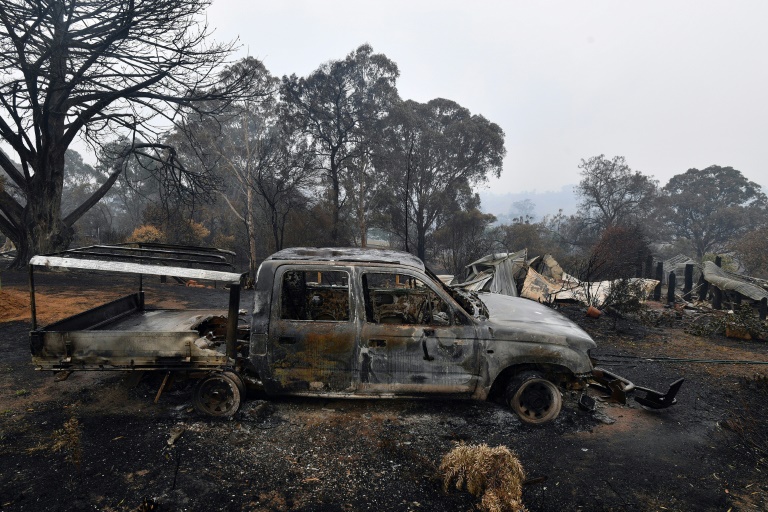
[712,207]
[612,194]
[462,238]
[625,297]
[339,108]
[431,152]
[752,252]
[727,262]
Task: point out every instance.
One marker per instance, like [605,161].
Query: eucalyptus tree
[263,163]
[431,152]
[612,194]
[97,70]
[712,207]
[339,107]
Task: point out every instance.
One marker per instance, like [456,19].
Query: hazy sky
[670,85]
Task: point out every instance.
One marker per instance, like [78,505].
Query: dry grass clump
[495,475]
[67,439]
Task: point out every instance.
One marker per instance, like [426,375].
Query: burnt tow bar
[618,388]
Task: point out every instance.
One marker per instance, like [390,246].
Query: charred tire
[535,399]
[238,381]
[217,395]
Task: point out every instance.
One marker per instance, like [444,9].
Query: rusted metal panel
[99,315]
[124,350]
[312,333]
[118,335]
[417,358]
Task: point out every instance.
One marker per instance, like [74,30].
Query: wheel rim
[217,395]
[238,380]
[537,401]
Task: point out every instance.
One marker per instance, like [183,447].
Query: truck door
[413,339]
[312,332]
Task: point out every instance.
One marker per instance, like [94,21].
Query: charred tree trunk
[688,284]
[361,211]
[335,197]
[421,235]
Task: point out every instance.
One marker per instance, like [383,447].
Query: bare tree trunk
[421,236]
[252,254]
[361,211]
[335,206]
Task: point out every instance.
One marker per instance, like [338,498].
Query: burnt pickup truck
[330,322]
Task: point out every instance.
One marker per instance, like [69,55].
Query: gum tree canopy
[101,70]
[712,207]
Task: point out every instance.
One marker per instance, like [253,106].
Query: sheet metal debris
[731,282]
[541,279]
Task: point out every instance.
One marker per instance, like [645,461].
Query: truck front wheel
[535,399]
[217,395]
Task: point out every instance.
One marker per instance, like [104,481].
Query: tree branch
[78,212]
[231,206]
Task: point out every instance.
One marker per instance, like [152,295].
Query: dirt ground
[97,441]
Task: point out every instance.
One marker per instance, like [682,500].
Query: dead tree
[102,71]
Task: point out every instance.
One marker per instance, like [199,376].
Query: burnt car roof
[349,255]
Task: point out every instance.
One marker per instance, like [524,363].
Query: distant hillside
[538,204]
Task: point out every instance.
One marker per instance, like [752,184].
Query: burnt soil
[97,441]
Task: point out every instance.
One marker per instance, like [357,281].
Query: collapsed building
[540,278]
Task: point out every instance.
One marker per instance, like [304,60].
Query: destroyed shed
[540,279]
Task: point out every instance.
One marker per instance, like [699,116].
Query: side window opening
[402,299]
[315,295]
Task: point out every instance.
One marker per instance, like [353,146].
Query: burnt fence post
[717,298]
[763,308]
[659,278]
[719,261]
[703,287]
[688,285]
[671,288]
[649,266]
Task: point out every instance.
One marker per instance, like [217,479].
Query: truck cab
[344,322]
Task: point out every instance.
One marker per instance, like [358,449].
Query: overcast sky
[668,85]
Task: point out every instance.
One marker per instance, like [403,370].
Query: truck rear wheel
[239,381]
[217,395]
[535,399]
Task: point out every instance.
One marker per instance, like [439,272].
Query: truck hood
[518,319]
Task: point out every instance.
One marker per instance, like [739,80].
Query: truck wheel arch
[509,381]
[535,399]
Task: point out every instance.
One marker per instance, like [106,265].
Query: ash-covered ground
[96,441]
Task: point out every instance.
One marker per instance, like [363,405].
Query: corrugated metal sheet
[730,282]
